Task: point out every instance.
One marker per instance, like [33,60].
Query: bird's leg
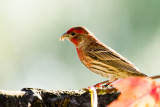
[109,83]
[99,85]
[106,83]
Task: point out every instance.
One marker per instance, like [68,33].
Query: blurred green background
[32,56]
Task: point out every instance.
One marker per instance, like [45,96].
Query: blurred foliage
[32,56]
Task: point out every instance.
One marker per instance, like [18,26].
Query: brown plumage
[98,57]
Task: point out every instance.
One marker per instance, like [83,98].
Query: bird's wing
[108,56]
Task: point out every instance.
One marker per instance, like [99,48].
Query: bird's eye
[72,33]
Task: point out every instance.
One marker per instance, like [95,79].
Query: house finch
[98,57]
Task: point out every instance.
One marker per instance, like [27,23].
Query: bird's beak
[64,36]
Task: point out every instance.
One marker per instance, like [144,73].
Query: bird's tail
[155,77]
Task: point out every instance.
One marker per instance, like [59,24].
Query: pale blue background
[32,56]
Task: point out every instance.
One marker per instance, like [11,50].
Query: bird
[98,57]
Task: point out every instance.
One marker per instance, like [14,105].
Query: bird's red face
[75,35]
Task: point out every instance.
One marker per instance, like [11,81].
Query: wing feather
[111,58]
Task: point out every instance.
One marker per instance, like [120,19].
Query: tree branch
[53,98]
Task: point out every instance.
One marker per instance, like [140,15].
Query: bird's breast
[80,53]
[84,59]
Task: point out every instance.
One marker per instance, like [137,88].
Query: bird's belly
[96,68]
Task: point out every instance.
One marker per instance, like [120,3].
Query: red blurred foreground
[137,92]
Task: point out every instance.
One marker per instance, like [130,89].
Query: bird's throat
[75,41]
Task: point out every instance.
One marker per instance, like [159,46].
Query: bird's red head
[76,30]
[75,34]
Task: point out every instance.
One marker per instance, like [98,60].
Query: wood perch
[32,97]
